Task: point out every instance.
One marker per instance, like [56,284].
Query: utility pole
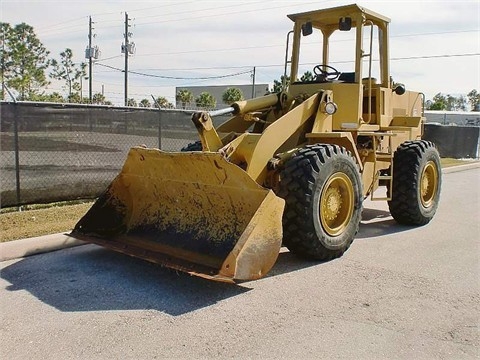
[91,53]
[3,66]
[127,48]
[90,59]
[126,58]
[253,85]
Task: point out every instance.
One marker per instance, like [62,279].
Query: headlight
[330,108]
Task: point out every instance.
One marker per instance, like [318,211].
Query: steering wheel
[321,74]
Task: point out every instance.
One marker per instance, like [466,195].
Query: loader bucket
[191,211]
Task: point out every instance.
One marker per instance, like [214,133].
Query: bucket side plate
[184,210]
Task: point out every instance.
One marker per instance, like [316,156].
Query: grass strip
[43,221]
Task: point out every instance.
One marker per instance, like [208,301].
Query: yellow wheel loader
[289,168]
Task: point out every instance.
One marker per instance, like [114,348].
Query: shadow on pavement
[288,263]
[377,222]
[90,278]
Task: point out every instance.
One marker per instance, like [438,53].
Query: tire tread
[297,188]
[407,167]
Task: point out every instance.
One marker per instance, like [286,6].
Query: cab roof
[327,18]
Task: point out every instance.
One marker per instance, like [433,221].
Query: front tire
[322,189]
[417,180]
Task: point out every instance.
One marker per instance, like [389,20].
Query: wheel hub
[336,204]
[428,184]
[333,203]
[425,184]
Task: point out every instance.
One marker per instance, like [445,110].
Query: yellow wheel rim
[336,204]
[428,184]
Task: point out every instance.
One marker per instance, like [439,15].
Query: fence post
[159,122]
[17,153]
[159,129]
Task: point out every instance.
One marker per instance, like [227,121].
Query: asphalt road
[398,293]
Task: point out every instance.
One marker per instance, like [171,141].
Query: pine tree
[24,60]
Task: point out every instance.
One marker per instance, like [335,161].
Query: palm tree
[184,97]
[206,101]
[131,102]
[98,98]
[144,103]
[307,76]
[163,103]
[231,95]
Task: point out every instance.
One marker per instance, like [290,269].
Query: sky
[434,44]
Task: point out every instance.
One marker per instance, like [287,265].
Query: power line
[69,22]
[268,66]
[436,33]
[434,56]
[148,8]
[206,16]
[177,77]
[272,65]
[283,45]
[199,10]
[163,6]
[112,57]
[230,13]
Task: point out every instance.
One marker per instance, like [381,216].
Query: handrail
[286,61]
[370,23]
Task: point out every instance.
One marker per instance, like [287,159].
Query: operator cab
[343,50]
[347,33]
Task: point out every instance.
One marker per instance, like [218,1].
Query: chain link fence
[56,152]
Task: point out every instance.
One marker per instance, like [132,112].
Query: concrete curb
[20,248]
[458,168]
[42,244]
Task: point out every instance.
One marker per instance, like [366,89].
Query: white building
[471,118]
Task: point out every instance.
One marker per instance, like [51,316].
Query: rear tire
[417,180]
[322,189]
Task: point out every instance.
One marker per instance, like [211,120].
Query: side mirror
[345,24]
[307,29]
